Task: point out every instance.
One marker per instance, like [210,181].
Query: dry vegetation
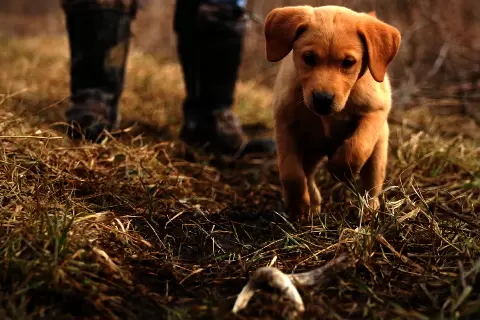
[137,228]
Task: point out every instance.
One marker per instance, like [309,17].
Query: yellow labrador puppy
[331,98]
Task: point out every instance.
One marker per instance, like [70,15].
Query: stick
[402,257]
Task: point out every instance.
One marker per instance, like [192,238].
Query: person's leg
[99,36]
[210,44]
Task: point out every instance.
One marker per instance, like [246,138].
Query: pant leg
[99,37]
[209,45]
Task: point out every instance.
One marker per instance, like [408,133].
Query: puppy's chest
[324,135]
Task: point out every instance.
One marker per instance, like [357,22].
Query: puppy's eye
[309,58]
[348,63]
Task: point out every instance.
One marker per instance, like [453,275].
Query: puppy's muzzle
[322,102]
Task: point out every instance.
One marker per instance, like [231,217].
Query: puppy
[331,98]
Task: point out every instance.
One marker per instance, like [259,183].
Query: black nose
[322,102]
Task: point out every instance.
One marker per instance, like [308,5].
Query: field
[139,227]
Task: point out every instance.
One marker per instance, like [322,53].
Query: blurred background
[440,38]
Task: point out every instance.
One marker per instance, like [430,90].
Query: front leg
[351,156]
[373,173]
[310,162]
[292,175]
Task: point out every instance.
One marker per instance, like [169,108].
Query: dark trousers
[209,42]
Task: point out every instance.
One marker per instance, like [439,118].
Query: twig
[30,137]
[462,217]
[442,55]
[402,257]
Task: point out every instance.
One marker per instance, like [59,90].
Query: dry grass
[131,229]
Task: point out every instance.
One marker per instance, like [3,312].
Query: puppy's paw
[345,163]
[295,195]
[298,211]
[374,203]
[315,196]
[315,209]
[315,203]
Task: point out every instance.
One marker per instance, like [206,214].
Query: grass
[132,228]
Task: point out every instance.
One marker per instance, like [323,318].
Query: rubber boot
[209,46]
[99,37]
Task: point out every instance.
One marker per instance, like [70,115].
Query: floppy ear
[373,14]
[282,28]
[383,42]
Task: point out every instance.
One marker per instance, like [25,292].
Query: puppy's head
[332,48]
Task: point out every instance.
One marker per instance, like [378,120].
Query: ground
[138,227]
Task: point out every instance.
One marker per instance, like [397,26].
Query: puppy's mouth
[322,103]
[323,110]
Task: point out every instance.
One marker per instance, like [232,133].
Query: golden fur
[339,56]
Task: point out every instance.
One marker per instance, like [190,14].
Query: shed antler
[287,284]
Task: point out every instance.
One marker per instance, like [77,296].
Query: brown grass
[133,229]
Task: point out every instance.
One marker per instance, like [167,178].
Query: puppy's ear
[383,43]
[282,28]
[373,14]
